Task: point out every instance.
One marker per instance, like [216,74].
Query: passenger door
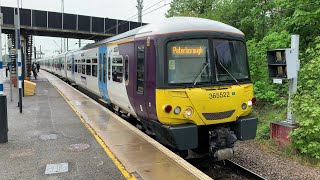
[139,92]
[103,71]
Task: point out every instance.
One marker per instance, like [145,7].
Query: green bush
[306,104]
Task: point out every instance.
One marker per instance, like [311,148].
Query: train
[186,80]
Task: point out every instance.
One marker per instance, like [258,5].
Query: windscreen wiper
[204,65]
[228,72]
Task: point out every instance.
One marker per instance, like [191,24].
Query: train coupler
[221,143]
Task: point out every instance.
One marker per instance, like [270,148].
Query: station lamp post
[64,40]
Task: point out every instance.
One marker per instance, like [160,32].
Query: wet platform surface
[48,141]
[141,156]
[51,139]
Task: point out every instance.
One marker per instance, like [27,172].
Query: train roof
[185,24]
[172,25]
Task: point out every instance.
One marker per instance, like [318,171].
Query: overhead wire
[156,9]
[130,18]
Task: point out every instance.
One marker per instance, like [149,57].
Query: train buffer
[63,134]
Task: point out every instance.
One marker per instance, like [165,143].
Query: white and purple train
[185,79]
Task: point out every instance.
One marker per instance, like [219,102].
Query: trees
[194,8]
[306,104]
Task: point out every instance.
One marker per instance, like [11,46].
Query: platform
[62,125]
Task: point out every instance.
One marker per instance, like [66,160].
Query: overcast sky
[116,9]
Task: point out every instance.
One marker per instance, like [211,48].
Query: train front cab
[204,94]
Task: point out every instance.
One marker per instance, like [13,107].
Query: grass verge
[266,114]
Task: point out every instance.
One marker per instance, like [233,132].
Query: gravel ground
[270,165]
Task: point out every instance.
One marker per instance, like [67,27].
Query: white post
[19,64]
[62,12]
[1,63]
[293,83]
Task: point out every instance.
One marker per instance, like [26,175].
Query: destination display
[188,51]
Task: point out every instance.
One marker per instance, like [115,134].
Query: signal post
[284,64]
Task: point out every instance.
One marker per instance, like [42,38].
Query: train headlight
[244,106]
[188,112]
[177,110]
[250,103]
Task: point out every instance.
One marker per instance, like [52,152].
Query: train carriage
[185,79]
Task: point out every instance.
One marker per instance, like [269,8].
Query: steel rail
[247,172]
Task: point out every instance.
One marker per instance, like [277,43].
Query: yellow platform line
[115,160]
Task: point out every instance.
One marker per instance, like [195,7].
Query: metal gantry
[57,24]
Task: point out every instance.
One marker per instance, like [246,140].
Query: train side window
[94,70]
[69,64]
[83,69]
[104,67]
[117,69]
[100,67]
[126,69]
[94,67]
[140,69]
[79,68]
[109,61]
[88,68]
[75,68]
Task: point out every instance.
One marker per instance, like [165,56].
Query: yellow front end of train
[204,106]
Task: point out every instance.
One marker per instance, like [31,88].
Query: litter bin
[3,119]
[29,88]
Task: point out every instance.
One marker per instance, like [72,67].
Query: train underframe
[216,140]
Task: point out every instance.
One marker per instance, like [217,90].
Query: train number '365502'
[219,95]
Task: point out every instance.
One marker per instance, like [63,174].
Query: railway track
[224,170]
[219,170]
[242,170]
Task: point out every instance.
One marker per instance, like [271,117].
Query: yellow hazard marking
[115,160]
